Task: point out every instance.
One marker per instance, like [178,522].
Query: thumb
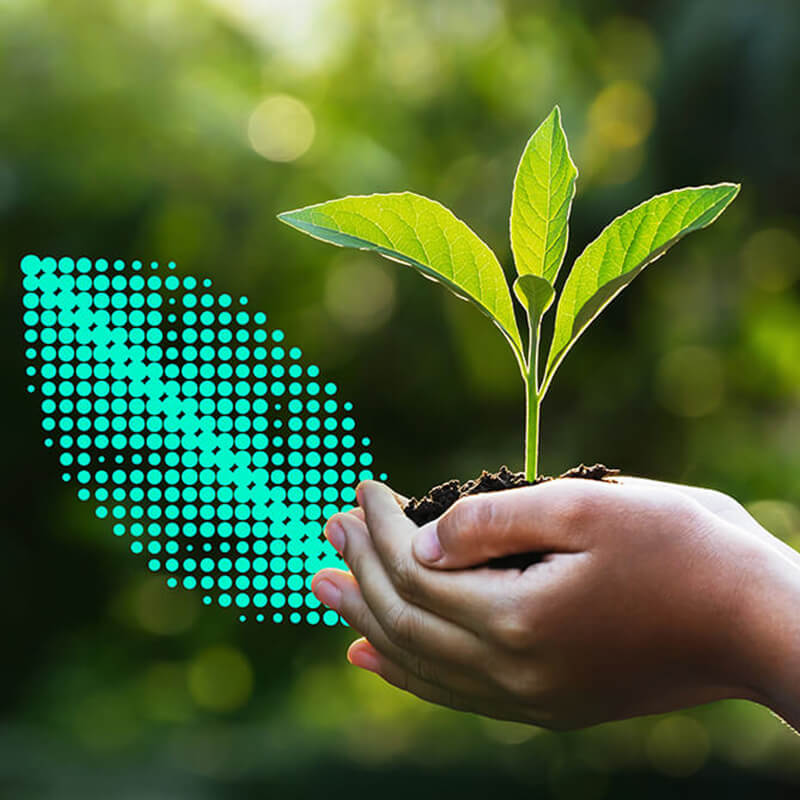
[478,528]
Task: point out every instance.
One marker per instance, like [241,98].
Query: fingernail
[336,536]
[364,659]
[426,545]
[328,592]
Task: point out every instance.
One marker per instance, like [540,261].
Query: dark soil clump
[440,498]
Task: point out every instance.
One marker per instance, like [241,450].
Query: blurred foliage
[176,129]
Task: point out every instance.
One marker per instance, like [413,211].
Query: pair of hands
[647,597]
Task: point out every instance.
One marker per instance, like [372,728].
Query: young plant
[423,234]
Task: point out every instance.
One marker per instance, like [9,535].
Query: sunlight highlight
[281,128]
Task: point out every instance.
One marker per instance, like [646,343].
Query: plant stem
[532,403]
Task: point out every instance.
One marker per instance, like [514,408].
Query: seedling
[423,234]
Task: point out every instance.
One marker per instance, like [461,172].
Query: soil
[440,498]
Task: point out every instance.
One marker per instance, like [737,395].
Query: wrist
[771,616]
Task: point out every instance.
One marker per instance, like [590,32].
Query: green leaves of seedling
[543,190]
[623,250]
[536,294]
[423,234]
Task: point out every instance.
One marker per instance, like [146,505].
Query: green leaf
[421,233]
[536,294]
[543,190]
[623,250]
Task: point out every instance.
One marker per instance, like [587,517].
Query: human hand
[648,597]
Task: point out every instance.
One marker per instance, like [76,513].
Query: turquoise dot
[277,601]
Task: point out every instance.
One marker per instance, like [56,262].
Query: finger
[550,517]
[348,601]
[461,597]
[410,627]
[382,506]
[402,500]
[361,654]
[358,512]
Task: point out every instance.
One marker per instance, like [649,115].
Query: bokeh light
[281,128]
[165,692]
[220,678]
[678,746]
[627,48]
[690,381]
[772,259]
[360,293]
[306,35]
[158,610]
[622,115]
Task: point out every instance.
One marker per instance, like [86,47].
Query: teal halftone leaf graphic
[201,437]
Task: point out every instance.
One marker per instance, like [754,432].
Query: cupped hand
[646,597]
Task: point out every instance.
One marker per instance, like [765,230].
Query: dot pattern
[196,431]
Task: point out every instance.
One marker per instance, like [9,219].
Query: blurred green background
[177,129]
